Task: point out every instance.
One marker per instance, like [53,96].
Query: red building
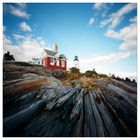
[52,60]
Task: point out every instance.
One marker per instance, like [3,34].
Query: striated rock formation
[37,104]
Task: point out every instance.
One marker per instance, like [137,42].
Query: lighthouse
[76,62]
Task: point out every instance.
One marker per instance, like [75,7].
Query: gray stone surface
[48,108]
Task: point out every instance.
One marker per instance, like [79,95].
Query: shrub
[134,81]
[88,73]
[74,70]
[59,74]
[113,76]
[103,76]
[127,79]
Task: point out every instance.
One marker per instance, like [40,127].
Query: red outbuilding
[54,61]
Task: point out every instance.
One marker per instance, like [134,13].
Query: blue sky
[103,35]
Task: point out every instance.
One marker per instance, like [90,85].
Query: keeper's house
[54,61]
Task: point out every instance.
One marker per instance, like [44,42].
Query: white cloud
[130,45]
[25,27]
[134,19]
[100,61]
[115,18]
[6,40]
[131,75]
[21,5]
[17,37]
[112,34]
[91,21]
[19,12]
[127,34]
[98,6]
[28,48]
[102,64]
[8,46]
[104,59]
[101,9]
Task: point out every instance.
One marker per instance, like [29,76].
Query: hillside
[37,104]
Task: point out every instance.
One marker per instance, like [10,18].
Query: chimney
[55,47]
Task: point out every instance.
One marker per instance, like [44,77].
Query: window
[62,63]
[51,61]
[44,62]
[57,62]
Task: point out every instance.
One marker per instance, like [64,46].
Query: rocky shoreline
[35,104]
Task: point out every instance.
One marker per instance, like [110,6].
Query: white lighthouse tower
[76,62]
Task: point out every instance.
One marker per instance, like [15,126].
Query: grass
[86,80]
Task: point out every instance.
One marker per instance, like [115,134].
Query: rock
[18,120]
[78,105]
[36,104]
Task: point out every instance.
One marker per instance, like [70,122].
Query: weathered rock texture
[36,104]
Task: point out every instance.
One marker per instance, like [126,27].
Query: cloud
[101,10]
[130,45]
[20,12]
[101,64]
[8,46]
[25,27]
[98,6]
[133,19]
[18,37]
[21,5]
[127,34]
[91,21]
[131,75]
[115,18]
[100,61]
[26,50]
[104,59]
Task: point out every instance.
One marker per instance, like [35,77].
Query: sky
[102,35]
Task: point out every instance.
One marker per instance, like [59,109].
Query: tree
[134,81]
[127,79]
[7,56]
[113,76]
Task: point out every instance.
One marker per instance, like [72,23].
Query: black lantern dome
[76,58]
